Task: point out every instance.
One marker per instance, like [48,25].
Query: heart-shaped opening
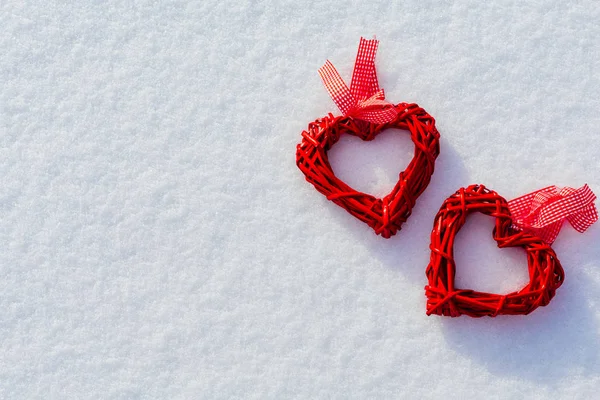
[483,266]
[372,166]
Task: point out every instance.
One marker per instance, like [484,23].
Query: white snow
[158,241]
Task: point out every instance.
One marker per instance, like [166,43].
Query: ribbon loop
[364,77]
[364,99]
[542,212]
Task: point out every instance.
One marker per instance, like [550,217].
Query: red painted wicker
[443,298]
[385,215]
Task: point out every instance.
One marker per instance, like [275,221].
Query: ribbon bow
[543,212]
[364,100]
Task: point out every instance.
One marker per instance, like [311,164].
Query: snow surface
[158,241]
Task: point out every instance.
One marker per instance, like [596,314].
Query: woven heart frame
[385,215]
[545,271]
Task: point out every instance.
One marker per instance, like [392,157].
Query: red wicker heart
[385,215]
[545,271]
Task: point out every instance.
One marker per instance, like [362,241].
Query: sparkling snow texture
[158,241]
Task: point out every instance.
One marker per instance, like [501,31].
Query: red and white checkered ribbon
[364,100]
[543,212]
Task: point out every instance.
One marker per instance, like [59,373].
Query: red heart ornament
[545,271]
[385,215]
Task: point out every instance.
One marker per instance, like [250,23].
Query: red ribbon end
[542,212]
